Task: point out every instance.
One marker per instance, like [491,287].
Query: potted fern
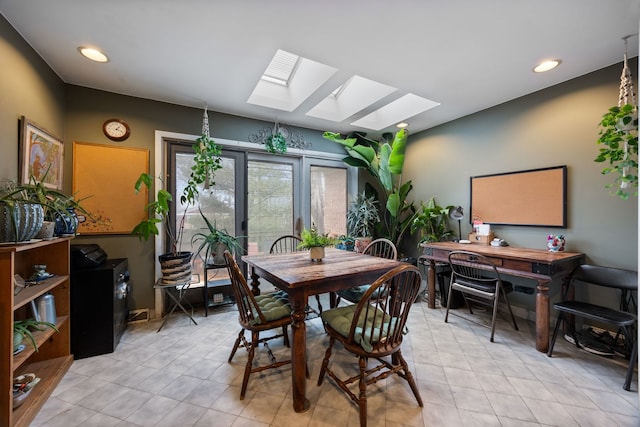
[315,242]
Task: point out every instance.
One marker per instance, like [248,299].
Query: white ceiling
[467,55]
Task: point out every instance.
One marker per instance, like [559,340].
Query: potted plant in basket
[176,264]
[214,243]
[362,216]
[315,242]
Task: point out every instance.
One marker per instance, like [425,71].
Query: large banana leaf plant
[384,160]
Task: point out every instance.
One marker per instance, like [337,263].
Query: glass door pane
[272,202]
[329,199]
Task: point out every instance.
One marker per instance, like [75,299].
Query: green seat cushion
[368,329]
[356,293]
[273,306]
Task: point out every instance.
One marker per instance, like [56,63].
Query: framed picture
[104,177]
[40,155]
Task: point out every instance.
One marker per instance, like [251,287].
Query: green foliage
[619,136]
[209,241]
[432,221]
[276,144]
[362,216]
[384,161]
[206,161]
[24,328]
[312,239]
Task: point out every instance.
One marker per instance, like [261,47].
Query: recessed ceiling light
[402,125]
[93,54]
[547,65]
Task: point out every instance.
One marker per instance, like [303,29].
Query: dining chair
[479,281]
[373,329]
[584,280]
[289,243]
[383,248]
[257,314]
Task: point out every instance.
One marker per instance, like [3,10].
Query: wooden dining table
[301,277]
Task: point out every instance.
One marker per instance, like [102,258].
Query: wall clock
[116,129]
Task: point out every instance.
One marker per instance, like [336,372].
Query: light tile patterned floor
[180,377]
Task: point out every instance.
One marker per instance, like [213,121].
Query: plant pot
[316,253]
[46,231]
[217,254]
[66,224]
[361,243]
[26,218]
[18,337]
[176,269]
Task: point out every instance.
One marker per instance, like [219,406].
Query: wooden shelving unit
[53,358]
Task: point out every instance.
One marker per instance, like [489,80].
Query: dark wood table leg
[298,302]
[431,285]
[255,282]
[542,316]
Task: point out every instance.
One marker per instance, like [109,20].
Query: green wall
[556,126]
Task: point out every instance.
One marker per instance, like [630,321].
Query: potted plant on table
[315,242]
[362,216]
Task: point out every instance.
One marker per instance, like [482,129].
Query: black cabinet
[99,310]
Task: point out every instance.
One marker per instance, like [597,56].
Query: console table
[538,264]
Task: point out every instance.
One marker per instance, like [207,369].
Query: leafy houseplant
[619,136]
[205,162]
[433,222]
[22,329]
[276,144]
[384,161]
[315,242]
[215,242]
[362,217]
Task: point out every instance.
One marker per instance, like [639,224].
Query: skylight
[353,96]
[288,81]
[401,109]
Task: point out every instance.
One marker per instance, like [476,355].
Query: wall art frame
[40,154]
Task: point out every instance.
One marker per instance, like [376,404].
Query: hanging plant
[619,136]
[276,144]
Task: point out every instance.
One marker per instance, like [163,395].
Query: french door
[261,196]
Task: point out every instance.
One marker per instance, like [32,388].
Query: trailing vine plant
[619,137]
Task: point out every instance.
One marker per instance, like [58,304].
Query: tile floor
[180,377]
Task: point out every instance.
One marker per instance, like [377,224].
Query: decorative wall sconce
[277,139]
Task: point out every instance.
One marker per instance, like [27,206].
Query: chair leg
[236,345]
[325,361]
[362,398]
[513,319]
[408,376]
[495,314]
[247,369]
[285,336]
[319,305]
[632,363]
[446,315]
[559,320]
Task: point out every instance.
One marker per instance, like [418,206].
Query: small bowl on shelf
[22,386]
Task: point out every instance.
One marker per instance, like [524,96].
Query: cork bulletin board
[536,197]
[106,175]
